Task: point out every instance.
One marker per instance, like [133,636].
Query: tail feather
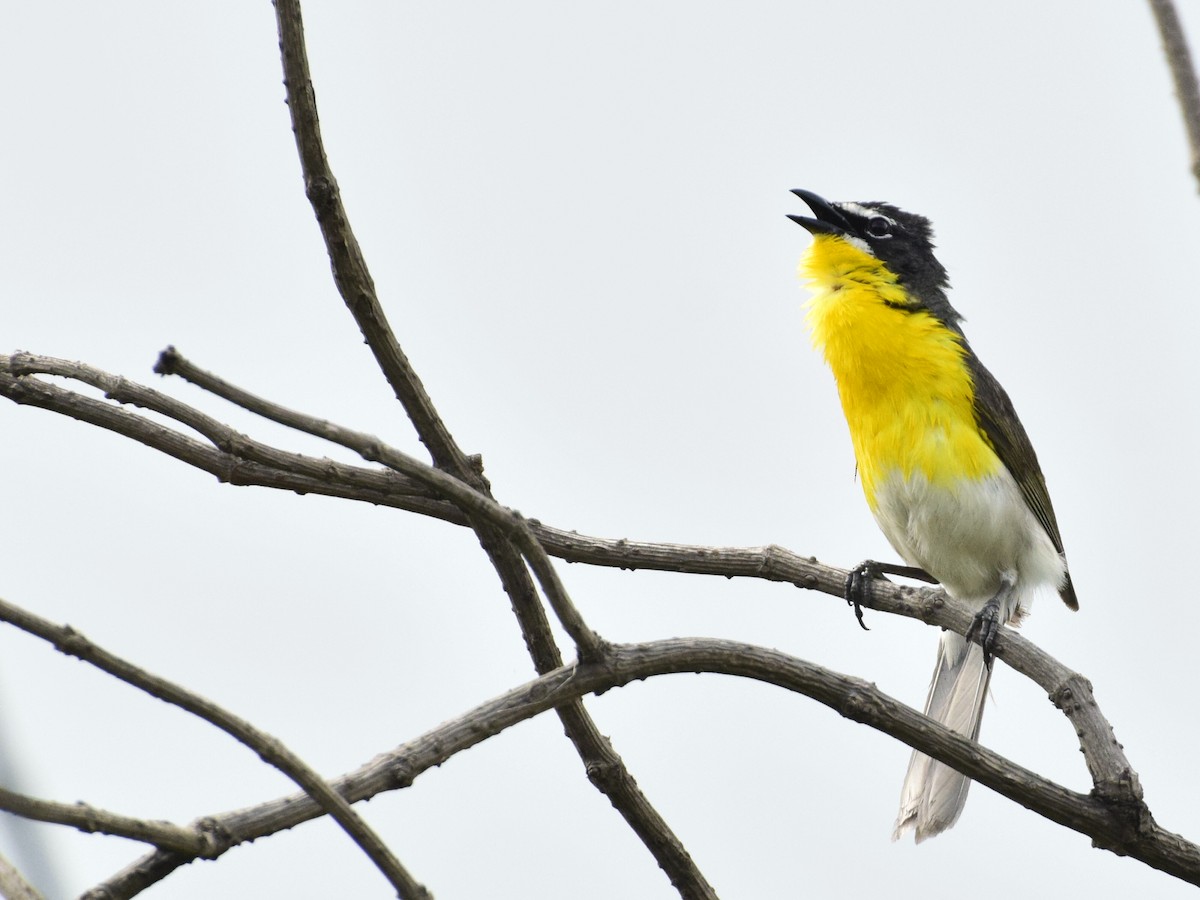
[934,794]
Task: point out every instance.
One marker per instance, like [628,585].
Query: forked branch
[605,768]
[270,749]
[1128,826]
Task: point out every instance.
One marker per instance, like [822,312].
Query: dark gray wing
[998,420]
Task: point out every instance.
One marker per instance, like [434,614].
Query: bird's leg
[986,625]
[858,582]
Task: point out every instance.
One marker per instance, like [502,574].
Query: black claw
[858,584]
[986,626]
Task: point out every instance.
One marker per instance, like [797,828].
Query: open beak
[829,219]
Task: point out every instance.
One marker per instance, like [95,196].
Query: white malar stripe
[859,243]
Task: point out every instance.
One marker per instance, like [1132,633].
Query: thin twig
[293,471]
[350,273]
[91,820]
[171,362]
[270,749]
[222,436]
[1179,59]
[1111,826]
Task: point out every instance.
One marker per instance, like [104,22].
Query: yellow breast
[902,375]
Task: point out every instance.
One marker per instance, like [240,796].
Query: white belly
[968,535]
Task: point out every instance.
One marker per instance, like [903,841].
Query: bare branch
[350,272]
[270,749]
[1179,59]
[1112,826]
[91,820]
[285,471]
[172,362]
[223,437]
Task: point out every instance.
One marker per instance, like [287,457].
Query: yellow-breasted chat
[947,468]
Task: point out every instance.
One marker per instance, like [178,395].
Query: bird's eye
[879,227]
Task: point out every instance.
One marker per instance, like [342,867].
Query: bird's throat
[902,374]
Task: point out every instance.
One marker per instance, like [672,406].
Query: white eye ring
[879,227]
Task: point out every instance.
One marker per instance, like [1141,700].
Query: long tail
[933,795]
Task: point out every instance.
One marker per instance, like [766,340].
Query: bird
[947,468]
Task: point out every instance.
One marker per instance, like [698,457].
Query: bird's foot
[858,586]
[986,627]
[858,582]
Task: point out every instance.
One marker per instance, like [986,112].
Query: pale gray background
[575,218]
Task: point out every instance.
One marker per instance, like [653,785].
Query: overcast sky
[575,218]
